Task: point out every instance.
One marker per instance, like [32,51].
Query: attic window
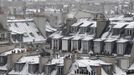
[32,34]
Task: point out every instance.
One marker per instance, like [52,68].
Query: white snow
[76,37]
[54,72]
[16,50]
[110,40]
[77,24]
[122,40]
[59,60]
[118,71]
[88,37]
[4,67]
[120,24]
[131,67]
[87,63]
[49,28]
[29,59]
[99,39]
[87,23]
[66,38]
[26,27]
[130,26]
[56,35]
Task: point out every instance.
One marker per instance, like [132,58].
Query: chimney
[67,64]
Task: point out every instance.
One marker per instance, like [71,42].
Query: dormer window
[128,32]
[121,46]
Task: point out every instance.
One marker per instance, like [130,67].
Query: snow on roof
[103,72]
[110,40]
[122,40]
[16,50]
[66,38]
[27,28]
[131,25]
[77,37]
[29,59]
[77,23]
[131,67]
[3,67]
[56,35]
[49,28]
[94,24]
[71,14]
[59,60]
[121,18]
[86,23]
[19,20]
[88,37]
[118,71]
[99,39]
[88,62]
[120,24]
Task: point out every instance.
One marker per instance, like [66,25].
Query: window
[85,46]
[120,49]
[3,35]
[97,47]
[74,45]
[55,44]
[108,47]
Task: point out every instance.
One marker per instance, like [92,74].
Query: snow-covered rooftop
[121,18]
[131,67]
[119,71]
[87,23]
[77,37]
[120,24]
[88,37]
[130,26]
[29,59]
[15,50]
[56,35]
[84,62]
[99,39]
[27,28]
[122,40]
[49,28]
[77,23]
[110,40]
[66,38]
